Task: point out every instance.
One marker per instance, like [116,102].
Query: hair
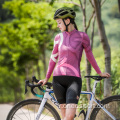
[73,22]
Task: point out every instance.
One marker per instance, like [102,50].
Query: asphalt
[4,110]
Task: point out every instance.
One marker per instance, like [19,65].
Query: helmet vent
[58,11]
[73,13]
[64,13]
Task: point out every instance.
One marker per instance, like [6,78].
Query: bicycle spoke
[113,107]
[28,112]
[18,117]
[34,112]
[44,116]
[24,114]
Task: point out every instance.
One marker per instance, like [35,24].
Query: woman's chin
[62,30]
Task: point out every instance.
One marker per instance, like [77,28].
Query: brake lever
[34,79]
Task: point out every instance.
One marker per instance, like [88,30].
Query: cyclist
[68,48]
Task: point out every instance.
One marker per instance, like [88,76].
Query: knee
[69,117]
[63,117]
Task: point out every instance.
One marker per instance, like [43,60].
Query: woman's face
[61,25]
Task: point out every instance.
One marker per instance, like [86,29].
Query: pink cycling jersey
[68,48]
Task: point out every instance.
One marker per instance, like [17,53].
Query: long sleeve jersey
[68,48]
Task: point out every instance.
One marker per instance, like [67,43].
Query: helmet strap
[66,25]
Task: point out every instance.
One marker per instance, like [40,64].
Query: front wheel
[27,110]
[112,104]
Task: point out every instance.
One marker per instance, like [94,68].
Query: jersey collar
[69,33]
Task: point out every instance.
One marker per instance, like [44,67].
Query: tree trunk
[17,93]
[84,16]
[38,69]
[106,47]
[44,60]
[119,5]
[33,70]
[27,72]
[88,65]
[92,31]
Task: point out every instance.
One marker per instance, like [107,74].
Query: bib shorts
[67,89]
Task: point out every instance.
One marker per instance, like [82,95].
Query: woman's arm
[90,57]
[52,61]
[54,56]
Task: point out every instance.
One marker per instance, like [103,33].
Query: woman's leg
[70,111]
[63,110]
[72,97]
[60,93]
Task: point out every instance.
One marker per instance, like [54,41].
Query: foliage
[24,38]
[115,72]
[4,12]
[111,19]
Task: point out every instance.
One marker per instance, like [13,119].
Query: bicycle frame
[92,98]
[48,95]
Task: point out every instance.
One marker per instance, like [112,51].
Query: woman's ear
[67,21]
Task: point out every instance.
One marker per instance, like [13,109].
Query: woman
[68,48]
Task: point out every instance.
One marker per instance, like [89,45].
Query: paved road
[4,109]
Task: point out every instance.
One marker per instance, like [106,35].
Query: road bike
[40,109]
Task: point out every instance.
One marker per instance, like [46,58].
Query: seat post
[94,86]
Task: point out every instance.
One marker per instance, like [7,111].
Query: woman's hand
[43,82]
[107,75]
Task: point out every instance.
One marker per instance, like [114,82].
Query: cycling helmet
[64,12]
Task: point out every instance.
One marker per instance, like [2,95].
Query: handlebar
[32,86]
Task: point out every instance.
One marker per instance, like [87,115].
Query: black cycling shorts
[67,89]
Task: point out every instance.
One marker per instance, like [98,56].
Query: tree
[85,27]
[119,5]
[25,38]
[33,19]
[106,47]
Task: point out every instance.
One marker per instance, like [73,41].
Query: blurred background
[27,32]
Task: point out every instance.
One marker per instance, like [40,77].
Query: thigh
[60,92]
[73,91]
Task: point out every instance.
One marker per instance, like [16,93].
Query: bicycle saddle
[95,77]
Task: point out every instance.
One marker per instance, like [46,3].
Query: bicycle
[40,109]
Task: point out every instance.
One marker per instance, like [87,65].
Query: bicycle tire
[19,111]
[112,104]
